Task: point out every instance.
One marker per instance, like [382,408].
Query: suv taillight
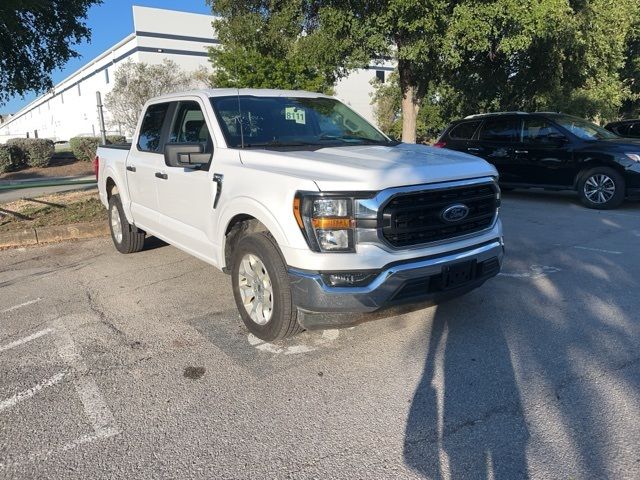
[96,166]
[440,144]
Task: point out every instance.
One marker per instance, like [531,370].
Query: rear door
[186,195]
[144,161]
[460,136]
[544,154]
[496,144]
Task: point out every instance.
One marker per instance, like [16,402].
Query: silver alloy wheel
[256,289]
[116,223]
[599,188]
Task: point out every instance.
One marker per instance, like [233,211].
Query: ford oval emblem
[455,213]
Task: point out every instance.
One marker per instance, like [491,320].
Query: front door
[186,195]
[544,154]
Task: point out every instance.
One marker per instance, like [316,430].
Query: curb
[56,233]
[35,181]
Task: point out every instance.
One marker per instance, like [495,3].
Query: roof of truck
[258,92]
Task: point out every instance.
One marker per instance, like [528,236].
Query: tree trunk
[410,102]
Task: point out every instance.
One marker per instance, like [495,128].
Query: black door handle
[163,176]
[131,168]
[217,178]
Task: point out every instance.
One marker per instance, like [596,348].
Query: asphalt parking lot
[138,367]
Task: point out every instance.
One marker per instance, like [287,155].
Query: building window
[79,92]
[380,75]
[106,75]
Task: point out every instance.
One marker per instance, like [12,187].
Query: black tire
[283,321]
[605,178]
[131,239]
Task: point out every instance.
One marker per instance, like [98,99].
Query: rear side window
[503,130]
[151,128]
[633,130]
[464,130]
[620,129]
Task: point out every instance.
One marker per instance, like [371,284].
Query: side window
[540,132]
[464,130]
[634,130]
[151,128]
[503,130]
[189,126]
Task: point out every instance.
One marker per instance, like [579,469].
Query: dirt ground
[63,165]
[57,209]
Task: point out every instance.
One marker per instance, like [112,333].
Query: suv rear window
[500,130]
[464,130]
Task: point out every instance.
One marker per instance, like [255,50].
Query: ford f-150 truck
[308,206]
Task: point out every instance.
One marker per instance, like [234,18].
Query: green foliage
[33,152]
[36,37]
[84,148]
[117,139]
[9,158]
[267,44]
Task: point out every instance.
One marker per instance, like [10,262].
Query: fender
[247,206]
[110,172]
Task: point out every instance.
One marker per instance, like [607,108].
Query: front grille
[415,218]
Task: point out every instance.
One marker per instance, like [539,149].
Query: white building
[69,109]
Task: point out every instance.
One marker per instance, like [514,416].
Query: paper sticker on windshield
[295,114]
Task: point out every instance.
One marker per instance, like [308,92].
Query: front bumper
[413,281]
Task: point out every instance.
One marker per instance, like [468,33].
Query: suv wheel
[601,188]
[261,288]
[127,238]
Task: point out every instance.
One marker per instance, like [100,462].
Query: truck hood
[369,167]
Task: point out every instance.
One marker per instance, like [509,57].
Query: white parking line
[16,307]
[24,340]
[102,421]
[535,271]
[20,396]
[599,250]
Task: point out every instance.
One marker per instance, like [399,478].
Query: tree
[266,44]
[137,82]
[36,37]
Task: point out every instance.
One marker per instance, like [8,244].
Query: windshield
[249,121]
[584,129]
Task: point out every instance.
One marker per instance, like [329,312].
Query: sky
[109,22]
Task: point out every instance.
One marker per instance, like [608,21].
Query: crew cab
[308,206]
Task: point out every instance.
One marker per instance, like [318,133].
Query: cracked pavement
[138,366]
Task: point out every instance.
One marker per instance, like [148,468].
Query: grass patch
[60,209]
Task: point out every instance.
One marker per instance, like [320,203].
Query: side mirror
[186,155]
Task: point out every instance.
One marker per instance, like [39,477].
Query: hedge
[34,152]
[84,148]
[9,158]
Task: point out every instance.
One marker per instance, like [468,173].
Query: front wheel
[601,188]
[261,288]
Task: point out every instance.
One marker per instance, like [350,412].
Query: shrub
[35,152]
[116,139]
[84,148]
[9,158]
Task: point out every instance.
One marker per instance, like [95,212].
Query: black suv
[625,128]
[553,151]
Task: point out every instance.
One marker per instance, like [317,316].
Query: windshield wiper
[277,143]
[348,138]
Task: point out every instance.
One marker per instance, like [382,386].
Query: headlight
[633,156]
[326,221]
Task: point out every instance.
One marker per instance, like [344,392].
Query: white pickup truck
[308,206]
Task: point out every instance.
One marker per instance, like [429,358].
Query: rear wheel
[127,238]
[261,288]
[601,188]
